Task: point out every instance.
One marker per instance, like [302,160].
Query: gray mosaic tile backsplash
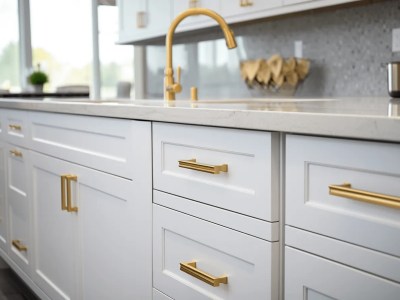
[348,48]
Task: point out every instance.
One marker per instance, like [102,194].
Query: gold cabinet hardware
[193,3]
[141,19]
[244,3]
[66,193]
[346,191]
[19,246]
[16,153]
[191,269]
[15,127]
[193,165]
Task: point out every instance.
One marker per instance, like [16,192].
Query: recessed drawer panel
[196,259]
[105,144]
[314,278]
[231,169]
[16,127]
[349,190]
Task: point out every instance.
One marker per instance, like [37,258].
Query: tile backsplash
[348,48]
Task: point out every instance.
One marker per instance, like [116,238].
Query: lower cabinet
[197,259]
[88,231]
[312,277]
[3,208]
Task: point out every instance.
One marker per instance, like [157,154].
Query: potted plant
[37,79]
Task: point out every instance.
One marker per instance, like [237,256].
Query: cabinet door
[314,278]
[242,10]
[18,207]
[56,257]
[143,19]
[181,5]
[3,209]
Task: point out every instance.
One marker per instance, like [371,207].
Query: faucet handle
[177,87]
[178,74]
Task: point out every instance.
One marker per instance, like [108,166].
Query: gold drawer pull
[193,165]
[141,19]
[66,193]
[345,190]
[244,3]
[20,247]
[190,268]
[16,153]
[15,127]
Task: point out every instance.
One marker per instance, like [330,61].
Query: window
[62,41]
[9,46]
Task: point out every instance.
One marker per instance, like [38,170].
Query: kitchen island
[273,198]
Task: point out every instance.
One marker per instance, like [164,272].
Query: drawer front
[16,127]
[242,8]
[313,164]
[312,277]
[18,206]
[157,295]
[250,183]
[3,202]
[249,264]
[105,144]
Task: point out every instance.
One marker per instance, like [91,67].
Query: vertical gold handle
[346,191]
[15,127]
[193,3]
[66,198]
[141,19]
[20,247]
[191,269]
[16,153]
[63,191]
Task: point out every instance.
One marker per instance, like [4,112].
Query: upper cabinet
[142,20]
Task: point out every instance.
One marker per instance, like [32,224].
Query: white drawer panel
[250,185]
[101,143]
[314,278]
[313,164]
[157,295]
[2,124]
[16,127]
[250,264]
[243,8]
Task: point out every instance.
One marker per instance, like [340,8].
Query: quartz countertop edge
[349,125]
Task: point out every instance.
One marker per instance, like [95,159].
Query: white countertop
[361,118]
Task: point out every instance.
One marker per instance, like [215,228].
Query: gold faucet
[170,86]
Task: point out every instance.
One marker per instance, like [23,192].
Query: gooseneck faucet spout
[170,86]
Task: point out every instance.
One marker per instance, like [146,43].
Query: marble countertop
[361,118]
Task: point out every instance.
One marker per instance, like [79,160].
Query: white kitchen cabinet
[244,10]
[3,203]
[19,207]
[312,277]
[178,6]
[143,19]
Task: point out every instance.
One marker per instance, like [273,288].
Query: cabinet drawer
[18,206]
[312,277]
[244,9]
[313,164]
[250,183]
[105,144]
[250,264]
[16,127]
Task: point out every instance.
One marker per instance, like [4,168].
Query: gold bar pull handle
[16,153]
[63,192]
[70,178]
[141,19]
[15,127]
[19,246]
[346,191]
[191,269]
[192,164]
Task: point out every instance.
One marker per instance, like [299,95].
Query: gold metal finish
[20,247]
[245,3]
[66,198]
[345,190]
[190,268]
[141,19]
[193,94]
[16,153]
[193,165]
[170,86]
[193,3]
[63,190]
[15,127]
